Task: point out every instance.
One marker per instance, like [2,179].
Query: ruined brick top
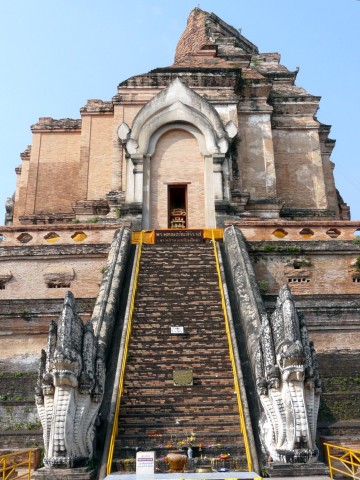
[206,35]
[48,123]
[97,106]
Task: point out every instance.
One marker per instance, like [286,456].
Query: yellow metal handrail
[9,463]
[123,362]
[347,457]
[236,380]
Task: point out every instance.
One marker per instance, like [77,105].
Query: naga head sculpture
[288,384]
[291,361]
[71,372]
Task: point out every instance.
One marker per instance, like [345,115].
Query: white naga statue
[69,390]
[288,384]
[70,386]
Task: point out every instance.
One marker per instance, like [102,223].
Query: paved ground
[301,478]
[204,476]
[187,476]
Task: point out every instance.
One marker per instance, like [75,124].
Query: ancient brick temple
[221,145]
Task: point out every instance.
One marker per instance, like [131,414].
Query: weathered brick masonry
[228,124]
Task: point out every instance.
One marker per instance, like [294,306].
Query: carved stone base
[310,470]
[64,474]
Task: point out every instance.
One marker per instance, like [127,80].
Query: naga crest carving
[69,389]
[288,384]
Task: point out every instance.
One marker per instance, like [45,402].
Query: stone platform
[64,474]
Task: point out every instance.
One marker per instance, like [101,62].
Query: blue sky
[57,54]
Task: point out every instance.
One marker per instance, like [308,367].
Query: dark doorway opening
[177,206]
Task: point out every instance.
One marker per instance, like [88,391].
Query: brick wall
[299,170]
[100,168]
[18,413]
[340,377]
[326,273]
[53,174]
[255,155]
[21,186]
[28,282]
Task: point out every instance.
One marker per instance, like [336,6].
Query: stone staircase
[178,286]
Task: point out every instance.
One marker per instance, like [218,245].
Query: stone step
[175,358]
[180,399]
[200,369]
[162,334]
[200,378]
[179,346]
[145,419]
[156,271]
[165,383]
[137,380]
[195,320]
[157,251]
[162,449]
[148,280]
[189,318]
[168,408]
[152,295]
[200,393]
[182,270]
[167,313]
[218,438]
[206,306]
[184,348]
[192,330]
[194,316]
[288,470]
[204,273]
[196,262]
[180,430]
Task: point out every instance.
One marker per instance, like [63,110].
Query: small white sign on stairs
[145,463]
[177,330]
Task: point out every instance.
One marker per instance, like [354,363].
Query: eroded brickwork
[308,272]
[194,36]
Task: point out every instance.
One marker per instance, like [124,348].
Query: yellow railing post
[329,460]
[236,380]
[123,362]
[348,458]
[29,462]
[10,461]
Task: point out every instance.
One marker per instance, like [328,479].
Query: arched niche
[177,165]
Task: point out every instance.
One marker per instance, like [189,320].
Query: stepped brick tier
[221,139]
